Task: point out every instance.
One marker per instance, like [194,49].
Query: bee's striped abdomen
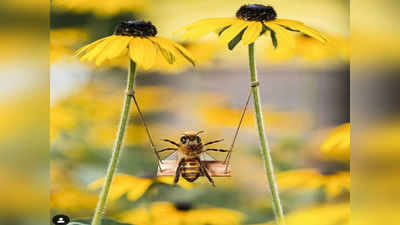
[190,169]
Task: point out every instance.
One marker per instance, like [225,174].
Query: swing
[207,164]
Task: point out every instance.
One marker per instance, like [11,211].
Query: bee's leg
[172,142]
[167,149]
[205,172]
[217,150]
[213,142]
[178,172]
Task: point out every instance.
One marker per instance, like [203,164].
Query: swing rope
[132,94]
[228,156]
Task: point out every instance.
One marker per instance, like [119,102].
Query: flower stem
[101,204]
[266,153]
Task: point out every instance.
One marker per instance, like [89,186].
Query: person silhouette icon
[61,220]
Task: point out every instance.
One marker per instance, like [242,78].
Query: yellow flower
[100,7]
[308,179]
[328,214]
[133,187]
[251,22]
[138,40]
[337,144]
[164,213]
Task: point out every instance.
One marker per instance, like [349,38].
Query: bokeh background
[306,103]
[305,96]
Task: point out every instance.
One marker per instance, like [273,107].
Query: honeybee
[191,155]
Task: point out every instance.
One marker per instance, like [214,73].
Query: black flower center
[183,206]
[136,28]
[256,12]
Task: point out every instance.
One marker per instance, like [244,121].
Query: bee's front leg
[204,171]
[217,150]
[178,172]
[213,142]
[172,142]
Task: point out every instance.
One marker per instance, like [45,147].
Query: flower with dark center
[256,12]
[136,28]
[136,39]
[251,22]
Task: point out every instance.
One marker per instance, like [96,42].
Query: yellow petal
[174,48]
[167,51]
[296,25]
[284,37]
[122,183]
[149,53]
[201,28]
[138,189]
[93,53]
[88,47]
[232,31]
[109,50]
[136,49]
[252,33]
[119,47]
[185,53]
[164,44]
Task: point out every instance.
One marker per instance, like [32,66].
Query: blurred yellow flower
[138,40]
[72,199]
[66,194]
[58,52]
[308,179]
[381,140]
[67,36]
[313,50]
[251,22]
[133,187]
[328,214]
[100,7]
[20,194]
[60,121]
[165,213]
[97,106]
[61,41]
[337,144]
[215,115]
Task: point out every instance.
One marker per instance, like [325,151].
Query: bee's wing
[172,156]
[206,157]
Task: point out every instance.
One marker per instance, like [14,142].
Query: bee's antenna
[202,131]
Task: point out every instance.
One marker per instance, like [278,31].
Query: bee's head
[191,140]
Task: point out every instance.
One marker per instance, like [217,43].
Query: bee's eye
[183,139]
[198,139]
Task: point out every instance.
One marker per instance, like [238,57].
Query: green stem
[101,204]
[269,170]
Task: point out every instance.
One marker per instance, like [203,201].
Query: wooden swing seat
[215,168]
